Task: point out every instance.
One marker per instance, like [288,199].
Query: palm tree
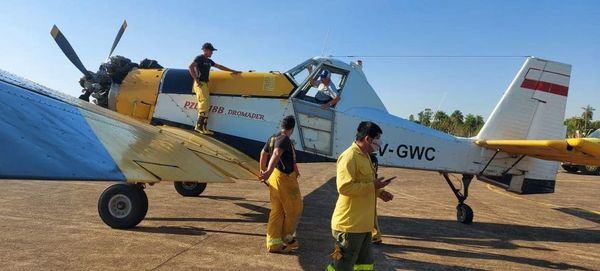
[587,115]
[424,117]
[470,124]
[457,117]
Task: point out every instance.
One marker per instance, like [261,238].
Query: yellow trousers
[202,95]
[286,207]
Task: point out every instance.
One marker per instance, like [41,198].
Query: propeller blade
[118,38]
[67,49]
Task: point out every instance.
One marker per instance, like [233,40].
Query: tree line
[467,126]
[456,123]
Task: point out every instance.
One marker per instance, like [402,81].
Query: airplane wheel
[464,213]
[190,189]
[123,206]
[591,170]
[570,169]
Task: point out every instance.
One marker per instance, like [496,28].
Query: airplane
[145,135]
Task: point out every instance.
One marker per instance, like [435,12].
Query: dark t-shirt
[203,65]
[286,162]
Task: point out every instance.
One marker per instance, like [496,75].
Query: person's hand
[264,175]
[380,183]
[260,179]
[386,196]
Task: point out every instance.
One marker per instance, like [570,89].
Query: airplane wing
[47,135]
[584,151]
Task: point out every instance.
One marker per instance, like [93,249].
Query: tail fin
[533,107]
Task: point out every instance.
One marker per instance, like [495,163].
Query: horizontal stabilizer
[575,150]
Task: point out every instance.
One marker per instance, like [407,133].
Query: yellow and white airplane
[145,134]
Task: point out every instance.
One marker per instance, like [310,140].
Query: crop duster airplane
[145,134]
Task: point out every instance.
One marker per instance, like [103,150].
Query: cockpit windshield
[595,134]
[302,71]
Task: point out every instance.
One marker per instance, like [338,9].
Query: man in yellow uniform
[200,70]
[354,214]
[282,173]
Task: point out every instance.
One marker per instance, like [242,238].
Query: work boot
[276,248]
[205,127]
[291,246]
[199,125]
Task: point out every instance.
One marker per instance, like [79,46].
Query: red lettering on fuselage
[190,105]
[217,109]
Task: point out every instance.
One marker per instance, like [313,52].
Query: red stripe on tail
[545,87]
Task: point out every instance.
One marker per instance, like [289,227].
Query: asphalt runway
[55,226]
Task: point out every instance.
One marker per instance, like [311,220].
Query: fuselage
[245,111]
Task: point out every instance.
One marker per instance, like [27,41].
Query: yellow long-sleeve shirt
[355,207]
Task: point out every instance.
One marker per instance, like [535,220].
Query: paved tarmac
[55,226]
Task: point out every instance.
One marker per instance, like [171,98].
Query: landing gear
[464,213]
[123,206]
[190,189]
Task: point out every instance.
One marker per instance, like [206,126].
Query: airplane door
[315,126]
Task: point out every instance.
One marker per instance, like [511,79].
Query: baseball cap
[324,74]
[209,46]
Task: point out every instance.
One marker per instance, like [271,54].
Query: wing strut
[514,164]
[489,162]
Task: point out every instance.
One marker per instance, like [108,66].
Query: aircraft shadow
[316,242]
[257,214]
[251,218]
[169,230]
[192,231]
[581,213]
[220,197]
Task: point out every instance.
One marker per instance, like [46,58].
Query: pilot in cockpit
[327,95]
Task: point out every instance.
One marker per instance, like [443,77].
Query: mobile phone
[390,179]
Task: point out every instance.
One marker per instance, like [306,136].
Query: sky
[277,35]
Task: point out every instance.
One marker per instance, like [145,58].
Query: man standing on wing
[200,70]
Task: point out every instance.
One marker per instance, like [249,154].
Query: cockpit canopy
[344,79]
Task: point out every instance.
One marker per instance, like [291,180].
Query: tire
[570,168]
[591,170]
[123,206]
[464,214]
[144,208]
[189,189]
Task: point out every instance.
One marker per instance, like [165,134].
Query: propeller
[67,49]
[97,84]
[118,38]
